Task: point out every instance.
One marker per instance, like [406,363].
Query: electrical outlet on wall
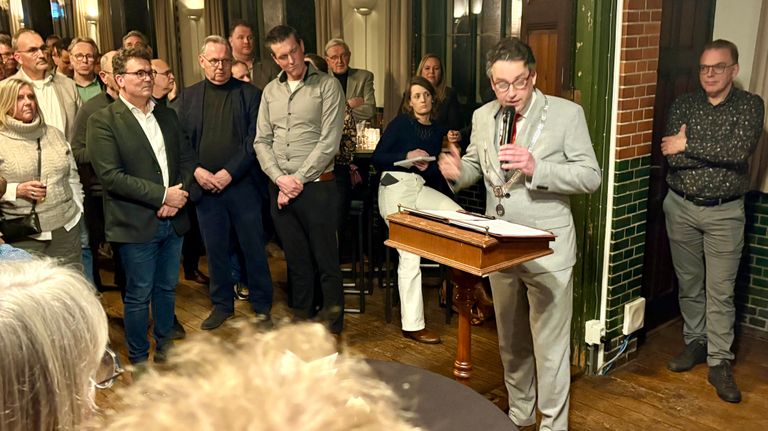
[594,331]
[634,316]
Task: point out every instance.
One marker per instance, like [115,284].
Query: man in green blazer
[141,157]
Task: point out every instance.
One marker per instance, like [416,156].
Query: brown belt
[325,176]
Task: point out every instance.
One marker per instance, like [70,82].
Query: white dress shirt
[151,129]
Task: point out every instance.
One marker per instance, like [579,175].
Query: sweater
[62,206]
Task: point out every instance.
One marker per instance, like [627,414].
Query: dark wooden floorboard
[641,395]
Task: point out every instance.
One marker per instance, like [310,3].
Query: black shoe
[721,377]
[215,319]
[178,332]
[241,291]
[694,353]
[263,321]
[161,356]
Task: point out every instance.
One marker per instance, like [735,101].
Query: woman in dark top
[410,135]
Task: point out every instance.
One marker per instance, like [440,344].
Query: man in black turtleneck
[218,115]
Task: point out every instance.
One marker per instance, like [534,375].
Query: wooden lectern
[470,254]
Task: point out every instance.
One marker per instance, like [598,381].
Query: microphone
[507,125]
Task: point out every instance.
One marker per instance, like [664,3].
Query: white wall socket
[634,316]
[594,331]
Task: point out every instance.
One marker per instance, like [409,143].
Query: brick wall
[641,25]
[752,282]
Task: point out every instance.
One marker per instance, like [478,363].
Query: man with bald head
[164,89]
[94,212]
[230,183]
[57,96]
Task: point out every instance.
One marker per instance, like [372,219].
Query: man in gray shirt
[298,133]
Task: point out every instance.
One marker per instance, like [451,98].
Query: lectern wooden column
[470,255]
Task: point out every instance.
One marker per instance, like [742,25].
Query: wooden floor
[641,395]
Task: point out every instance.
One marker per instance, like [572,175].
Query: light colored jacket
[360,84]
[66,91]
[565,165]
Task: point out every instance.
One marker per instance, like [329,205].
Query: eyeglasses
[216,62]
[6,56]
[84,57]
[336,58]
[141,74]
[718,69]
[519,84]
[43,50]
[166,73]
[109,370]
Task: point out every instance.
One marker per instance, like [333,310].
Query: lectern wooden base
[471,255]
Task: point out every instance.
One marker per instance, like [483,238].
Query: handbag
[21,227]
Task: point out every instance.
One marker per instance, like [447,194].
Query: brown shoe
[423,336]
[197,277]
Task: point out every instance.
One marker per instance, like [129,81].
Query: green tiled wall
[752,282]
[625,270]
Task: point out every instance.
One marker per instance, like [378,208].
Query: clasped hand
[214,183]
[175,198]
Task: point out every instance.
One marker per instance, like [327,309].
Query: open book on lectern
[480,222]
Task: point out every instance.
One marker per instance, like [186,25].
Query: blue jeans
[151,272]
[87,253]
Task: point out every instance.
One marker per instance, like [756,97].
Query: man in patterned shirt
[711,134]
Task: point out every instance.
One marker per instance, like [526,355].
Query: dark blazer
[189,106]
[128,170]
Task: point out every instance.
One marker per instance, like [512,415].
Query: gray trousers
[533,317]
[64,245]
[706,245]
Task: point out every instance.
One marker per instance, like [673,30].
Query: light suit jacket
[66,91]
[565,165]
[360,84]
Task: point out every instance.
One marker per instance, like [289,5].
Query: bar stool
[358,285]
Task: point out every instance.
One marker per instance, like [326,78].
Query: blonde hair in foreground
[53,331]
[263,381]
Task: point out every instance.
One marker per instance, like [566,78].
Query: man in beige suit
[528,180]
[357,83]
[56,94]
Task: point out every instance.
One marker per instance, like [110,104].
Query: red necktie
[514,128]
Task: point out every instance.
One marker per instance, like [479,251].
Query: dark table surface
[440,403]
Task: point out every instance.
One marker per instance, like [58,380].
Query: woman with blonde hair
[287,379]
[43,183]
[447,111]
[53,334]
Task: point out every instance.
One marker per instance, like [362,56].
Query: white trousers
[533,318]
[411,192]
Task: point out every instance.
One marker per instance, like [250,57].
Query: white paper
[479,223]
[407,163]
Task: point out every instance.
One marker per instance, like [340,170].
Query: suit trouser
[307,228]
[238,209]
[706,245]
[411,192]
[533,318]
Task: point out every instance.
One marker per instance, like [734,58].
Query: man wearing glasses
[57,96]
[356,83]
[83,52]
[529,178]
[144,163]
[712,132]
[6,54]
[218,115]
